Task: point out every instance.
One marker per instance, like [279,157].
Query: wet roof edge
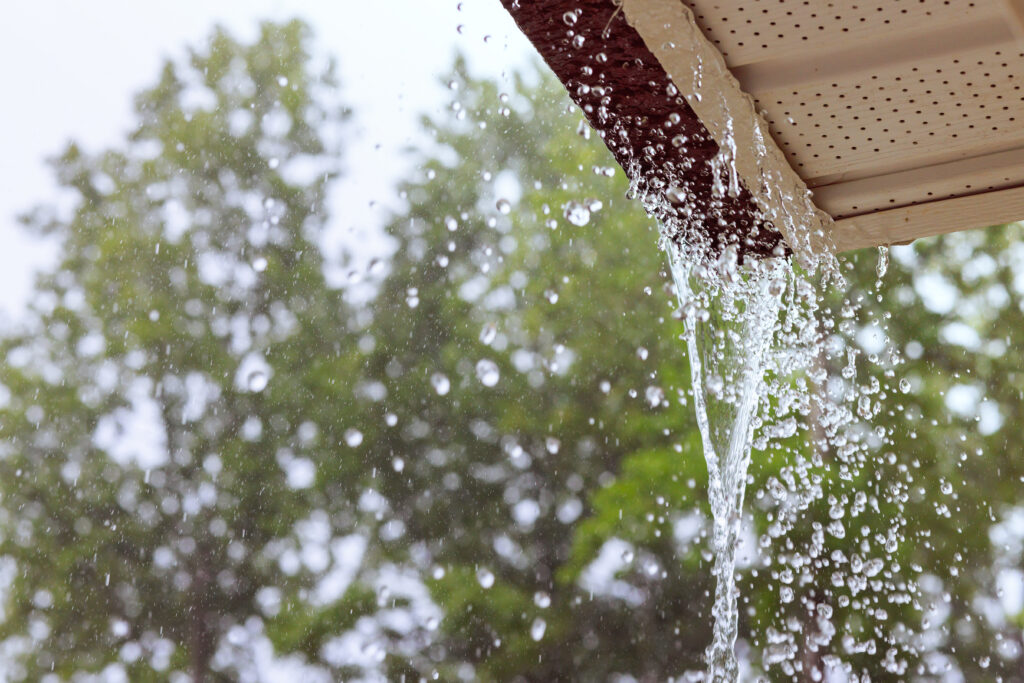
[699,71]
[658,43]
[627,96]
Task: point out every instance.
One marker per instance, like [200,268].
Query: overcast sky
[72,67]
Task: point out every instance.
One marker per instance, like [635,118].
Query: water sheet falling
[730,315]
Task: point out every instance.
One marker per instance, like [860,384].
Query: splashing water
[754,330]
[761,339]
[774,366]
[730,315]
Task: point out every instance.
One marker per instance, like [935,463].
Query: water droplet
[577,214]
[451,224]
[883,262]
[537,628]
[569,18]
[642,353]
[484,577]
[552,444]
[542,599]
[728,264]
[605,386]
[154,315]
[504,206]
[777,489]
[487,372]
[438,572]
[257,380]
[282,81]
[398,464]
[353,437]
[551,295]
[905,385]
[655,396]
[440,383]
[488,333]
[390,419]
[260,264]
[676,194]
[627,556]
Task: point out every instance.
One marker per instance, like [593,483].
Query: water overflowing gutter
[903,119]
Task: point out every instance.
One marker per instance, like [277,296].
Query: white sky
[71,69]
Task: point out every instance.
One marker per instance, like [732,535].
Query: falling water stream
[734,314]
[755,328]
[730,315]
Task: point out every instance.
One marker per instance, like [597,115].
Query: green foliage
[634,507]
[156,306]
[297,628]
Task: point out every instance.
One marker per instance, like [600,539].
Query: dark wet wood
[628,99]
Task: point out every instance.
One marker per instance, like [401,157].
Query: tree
[189,300]
[579,361]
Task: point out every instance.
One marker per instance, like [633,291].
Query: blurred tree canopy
[486,468]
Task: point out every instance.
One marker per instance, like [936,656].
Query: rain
[309,374]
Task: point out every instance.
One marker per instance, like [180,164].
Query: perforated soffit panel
[905,118]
